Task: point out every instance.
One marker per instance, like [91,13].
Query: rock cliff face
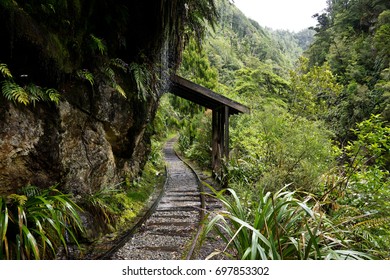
[82,145]
[94,137]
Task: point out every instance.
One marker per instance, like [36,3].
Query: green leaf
[98,44]
[86,75]
[14,92]
[53,95]
[30,242]
[5,71]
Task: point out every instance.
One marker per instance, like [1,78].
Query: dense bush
[279,227]
[273,148]
[35,223]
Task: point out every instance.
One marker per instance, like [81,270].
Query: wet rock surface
[86,142]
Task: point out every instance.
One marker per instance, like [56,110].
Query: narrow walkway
[166,235]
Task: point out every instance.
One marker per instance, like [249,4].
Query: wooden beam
[221,106]
[204,96]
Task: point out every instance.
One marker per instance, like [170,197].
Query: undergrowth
[35,224]
[278,226]
[115,208]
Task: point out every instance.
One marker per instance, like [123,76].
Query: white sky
[293,15]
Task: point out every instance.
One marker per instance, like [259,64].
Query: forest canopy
[319,123]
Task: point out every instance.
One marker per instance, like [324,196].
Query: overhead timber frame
[222,108]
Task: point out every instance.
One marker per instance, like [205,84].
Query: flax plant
[281,227]
[34,224]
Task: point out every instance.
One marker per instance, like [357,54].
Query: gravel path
[167,234]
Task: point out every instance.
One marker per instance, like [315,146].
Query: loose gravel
[166,235]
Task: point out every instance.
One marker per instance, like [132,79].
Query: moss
[131,209]
[58,51]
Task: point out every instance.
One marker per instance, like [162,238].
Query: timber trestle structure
[221,106]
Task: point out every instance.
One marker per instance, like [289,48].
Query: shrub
[34,224]
[273,148]
[281,227]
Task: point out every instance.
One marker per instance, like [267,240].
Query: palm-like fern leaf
[5,71]
[53,95]
[98,44]
[86,75]
[14,92]
[139,74]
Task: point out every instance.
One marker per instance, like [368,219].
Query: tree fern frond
[98,44]
[86,75]
[119,89]
[14,92]
[109,73]
[139,74]
[53,95]
[48,9]
[119,63]
[5,71]
[36,93]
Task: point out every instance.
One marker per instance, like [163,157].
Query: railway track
[172,228]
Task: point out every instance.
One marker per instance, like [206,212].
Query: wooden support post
[221,139]
[226,140]
[214,141]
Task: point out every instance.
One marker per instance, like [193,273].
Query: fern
[5,71]
[14,92]
[119,63]
[53,95]
[140,76]
[86,75]
[25,95]
[119,89]
[48,9]
[36,93]
[98,44]
[110,74]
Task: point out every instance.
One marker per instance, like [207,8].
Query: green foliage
[110,75]
[167,118]
[281,227]
[195,138]
[356,194]
[142,78]
[261,81]
[238,42]
[313,91]
[273,148]
[97,44]
[14,92]
[196,67]
[286,139]
[367,169]
[352,39]
[85,74]
[372,146]
[28,94]
[5,71]
[34,224]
